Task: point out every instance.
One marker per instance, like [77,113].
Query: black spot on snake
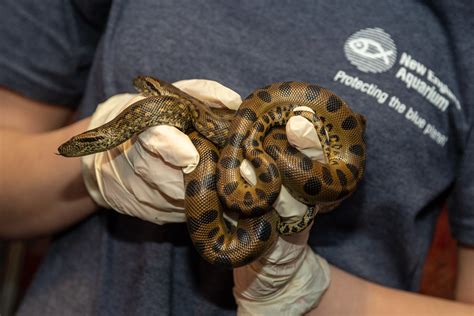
[273,151]
[256,162]
[223,261]
[266,118]
[230,162]
[279,136]
[353,169]
[255,152]
[213,156]
[272,197]
[235,208]
[236,139]
[247,114]
[212,233]
[287,173]
[264,230]
[208,216]
[322,131]
[260,193]
[255,143]
[200,246]
[259,126]
[243,235]
[286,230]
[273,170]
[193,225]
[272,115]
[265,177]
[291,150]
[209,181]
[257,211]
[265,96]
[327,178]
[357,150]
[312,186]
[306,164]
[217,246]
[349,123]
[342,177]
[285,89]
[312,92]
[248,200]
[230,187]
[333,104]
[193,188]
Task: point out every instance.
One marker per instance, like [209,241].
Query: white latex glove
[290,279]
[144,178]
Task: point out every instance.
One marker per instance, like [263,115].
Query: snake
[231,221]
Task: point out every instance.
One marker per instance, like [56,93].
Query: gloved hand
[290,279]
[143,177]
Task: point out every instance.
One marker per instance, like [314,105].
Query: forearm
[41,192]
[350,295]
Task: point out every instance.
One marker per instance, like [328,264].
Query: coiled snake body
[255,132]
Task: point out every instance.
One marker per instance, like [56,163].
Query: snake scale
[254,132]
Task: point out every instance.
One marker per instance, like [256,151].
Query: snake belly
[256,133]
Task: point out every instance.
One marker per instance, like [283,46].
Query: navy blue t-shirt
[405,65]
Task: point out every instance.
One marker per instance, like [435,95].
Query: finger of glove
[172,145]
[124,191]
[302,135]
[211,92]
[155,168]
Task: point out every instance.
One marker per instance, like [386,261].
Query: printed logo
[371,50]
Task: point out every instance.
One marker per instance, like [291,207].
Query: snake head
[81,145]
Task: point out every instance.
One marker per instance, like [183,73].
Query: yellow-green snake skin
[255,132]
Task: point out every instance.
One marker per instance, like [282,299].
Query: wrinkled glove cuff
[291,285]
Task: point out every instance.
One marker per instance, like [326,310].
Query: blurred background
[20,259]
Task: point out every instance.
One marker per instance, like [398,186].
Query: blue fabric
[79,54]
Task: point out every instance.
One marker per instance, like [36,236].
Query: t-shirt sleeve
[456,16]
[461,206]
[47,47]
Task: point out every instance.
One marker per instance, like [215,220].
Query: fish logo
[371,50]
